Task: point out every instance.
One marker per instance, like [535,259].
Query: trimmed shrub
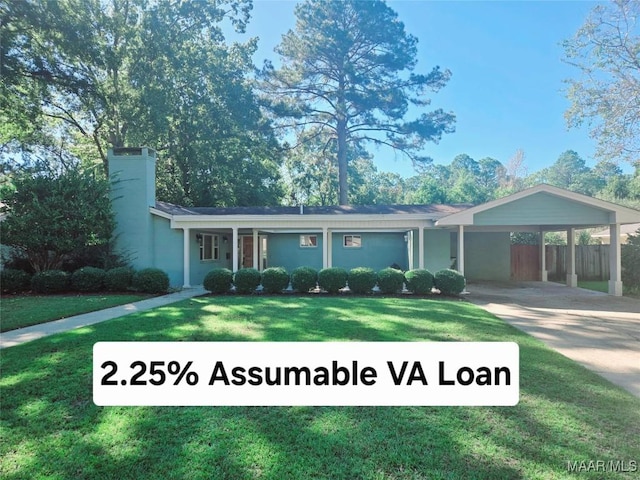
[390,280]
[275,279]
[218,280]
[14,281]
[87,279]
[118,279]
[304,279]
[419,281]
[150,280]
[362,280]
[332,279]
[449,282]
[50,281]
[246,280]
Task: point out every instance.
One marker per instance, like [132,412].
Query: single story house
[188,242]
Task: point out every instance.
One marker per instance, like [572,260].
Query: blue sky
[507,88]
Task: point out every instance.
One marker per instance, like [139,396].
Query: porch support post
[543,258]
[421,247]
[186,262]
[256,257]
[461,249]
[615,266]
[572,278]
[234,249]
[409,237]
[325,247]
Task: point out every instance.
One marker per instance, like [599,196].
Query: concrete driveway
[599,331]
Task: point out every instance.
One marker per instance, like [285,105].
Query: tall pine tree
[347,73]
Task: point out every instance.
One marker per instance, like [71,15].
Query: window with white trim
[209,247]
[308,241]
[352,241]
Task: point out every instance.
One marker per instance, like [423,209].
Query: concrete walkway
[597,330]
[22,335]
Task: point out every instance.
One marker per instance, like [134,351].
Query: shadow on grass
[51,428]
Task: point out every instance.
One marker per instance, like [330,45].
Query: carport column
[543,258]
[421,247]
[572,278]
[234,248]
[186,262]
[615,266]
[461,249]
[256,257]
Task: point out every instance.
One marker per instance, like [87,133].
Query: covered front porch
[208,248]
[320,237]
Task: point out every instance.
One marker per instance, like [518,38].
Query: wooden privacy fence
[592,262]
[525,262]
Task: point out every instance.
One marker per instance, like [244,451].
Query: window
[209,247]
[352,241]
[308,241]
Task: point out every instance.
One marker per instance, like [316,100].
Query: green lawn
[603,286]
[24,310]
[597,285]
[50,427]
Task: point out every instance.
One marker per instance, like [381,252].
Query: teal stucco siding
[379,250]
[542,209]
[132,193]
[487,256]
[437,250]
[199,268]
[167,250]
[284,250]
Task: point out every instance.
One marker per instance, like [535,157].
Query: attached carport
[540,209]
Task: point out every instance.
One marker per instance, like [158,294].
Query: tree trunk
[343,184]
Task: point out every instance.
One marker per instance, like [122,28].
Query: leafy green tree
[310,176]
[139,72]
[605,51]
[426,190]
[310,172]
[465,180]
[50,217]
[347,72]
[571,172]
[630,259]
[611,182]
[491,177]
[371,187]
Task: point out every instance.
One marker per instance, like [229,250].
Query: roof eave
[619,213]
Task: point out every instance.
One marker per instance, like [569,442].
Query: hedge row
[361,280]
[86,279]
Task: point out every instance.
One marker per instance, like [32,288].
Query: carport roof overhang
[540,208]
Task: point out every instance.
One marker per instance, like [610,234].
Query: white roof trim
[393,220]
[622,214]
[160,213]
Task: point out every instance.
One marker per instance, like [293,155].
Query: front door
[247,252]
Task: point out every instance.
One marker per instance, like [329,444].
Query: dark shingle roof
[435,211]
